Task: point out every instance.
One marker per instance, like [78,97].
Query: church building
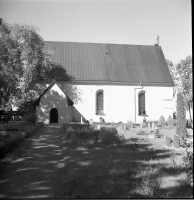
[112,83]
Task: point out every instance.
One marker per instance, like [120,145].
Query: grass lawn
[119,171]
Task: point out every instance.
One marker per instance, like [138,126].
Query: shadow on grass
[48,166]
[29,171]
[119,171]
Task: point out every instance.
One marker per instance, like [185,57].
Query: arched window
[99,102]
[141,101]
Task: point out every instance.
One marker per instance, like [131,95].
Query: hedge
[12,142]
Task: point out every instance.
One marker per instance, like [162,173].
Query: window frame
[144,111]
[96,98]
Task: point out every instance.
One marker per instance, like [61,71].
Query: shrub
[162,121]
[83,134]
[94,135]
[12,142]
[109,135]
[30,117]
[109,129]
[181,116]
[27,106]
[170,122]
[188,159]
[74,139]
[75,126]
[69,131]
[109,138]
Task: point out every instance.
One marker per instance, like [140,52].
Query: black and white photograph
[96,99]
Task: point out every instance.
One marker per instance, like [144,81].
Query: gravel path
[33,169]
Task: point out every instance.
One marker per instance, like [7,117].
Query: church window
[99,102]
[141,101]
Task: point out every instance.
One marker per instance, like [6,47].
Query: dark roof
[112,62]
[37,102]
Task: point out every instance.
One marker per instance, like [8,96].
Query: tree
[174,75]
[162,121]
[184,69]
[181,116]
[170,122]
[22,60]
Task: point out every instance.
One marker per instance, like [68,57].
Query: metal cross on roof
[158,39]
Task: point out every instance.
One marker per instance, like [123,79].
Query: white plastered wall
[54,98]
[119,102]
[158,102]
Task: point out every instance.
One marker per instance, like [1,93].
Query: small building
[113,82]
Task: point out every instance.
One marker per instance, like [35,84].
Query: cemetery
[105,161]
[93,120]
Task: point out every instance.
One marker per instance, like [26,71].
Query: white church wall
[119,102]
[159,101]
[114,108]
[54,98]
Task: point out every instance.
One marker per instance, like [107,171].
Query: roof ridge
[100,43]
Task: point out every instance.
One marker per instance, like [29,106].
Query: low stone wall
[74,126]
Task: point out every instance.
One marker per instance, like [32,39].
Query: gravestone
[82,120]
[98,127]
[176,142]
[148,127]
[91,121]
[153,126]
[141,124]
[168,141]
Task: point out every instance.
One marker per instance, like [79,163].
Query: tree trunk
[190,115]
[181,130]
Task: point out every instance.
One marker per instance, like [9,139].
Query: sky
[109,21]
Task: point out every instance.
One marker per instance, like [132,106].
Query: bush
[12,142]
[94,136]
[170,122]
[181,117]
[162,121]
[69,131]
[84,134]
[27,106]
[109,135]
[30,117]
[188,159]
[109,138]
[74,139]
[109,129]
[75,126]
